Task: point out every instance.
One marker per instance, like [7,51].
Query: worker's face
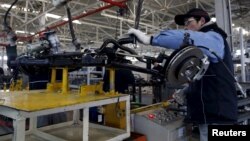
[192,24]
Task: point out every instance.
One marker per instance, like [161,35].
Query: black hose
[72,32]
[138,13]
[6,14]
[116,46]
[137,18]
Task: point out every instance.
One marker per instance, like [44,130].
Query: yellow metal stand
[111,79]
[115,113]
[58,98]
[16,86]
[91,89]
[65,80]
[63,86]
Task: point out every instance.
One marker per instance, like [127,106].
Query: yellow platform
[31,101]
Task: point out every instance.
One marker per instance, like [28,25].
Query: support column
[196,3]
[65,80]
[42,19]
[2,55]
[26,14]
[111,79]
[224,19]
[19,130]
[121,27]
[33,123]
[242,58]
[85,124]
[97,34]
[53,76]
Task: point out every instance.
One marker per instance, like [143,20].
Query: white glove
[141,37]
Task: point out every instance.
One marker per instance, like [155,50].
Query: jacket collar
[212,26]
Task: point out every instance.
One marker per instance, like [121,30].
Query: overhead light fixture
[237,29]
[238,52]
[75,21]
[23,32]
[53,16]
[213,19]
[245,32]
[7,6]
[20,31]
[4,57]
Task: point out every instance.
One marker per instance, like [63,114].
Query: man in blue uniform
[211,100]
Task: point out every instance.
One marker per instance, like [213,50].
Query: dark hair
[195,12]
[197,18]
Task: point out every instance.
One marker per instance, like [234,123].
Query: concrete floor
[74,133]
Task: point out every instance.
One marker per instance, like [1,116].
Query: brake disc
[185,65]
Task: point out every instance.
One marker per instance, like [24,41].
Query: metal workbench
[22,105]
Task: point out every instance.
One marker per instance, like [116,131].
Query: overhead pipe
[3,44]
[111,4]
[115,3]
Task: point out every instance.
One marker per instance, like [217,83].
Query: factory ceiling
[96,20]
